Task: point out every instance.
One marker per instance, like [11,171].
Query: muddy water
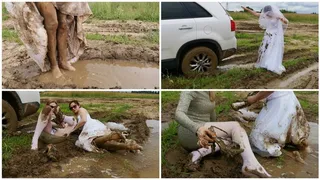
[109,74]
[289,167]
[117,164]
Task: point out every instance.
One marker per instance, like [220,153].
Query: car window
[196,10]
[173,10]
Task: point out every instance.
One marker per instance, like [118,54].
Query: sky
[299,7]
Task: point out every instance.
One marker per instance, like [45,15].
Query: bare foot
[67,66]
[258,171]
[56,72]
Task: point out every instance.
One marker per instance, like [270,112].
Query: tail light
[233,25]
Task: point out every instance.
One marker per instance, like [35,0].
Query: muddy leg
[62,42]
[48,11]
[115,146]
[251,167]
[114,136]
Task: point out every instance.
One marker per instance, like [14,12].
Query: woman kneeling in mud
[195,113]
[95,135]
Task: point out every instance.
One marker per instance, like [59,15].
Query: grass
[168,97]
[292,17]
[11,143]
[224,105]
[5,14]
[98,94]
[151,37]
[168,139]
[10,35]
[117,113]
[143,11]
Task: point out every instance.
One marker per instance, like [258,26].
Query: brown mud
[71,161]
[218,165]
[19,71]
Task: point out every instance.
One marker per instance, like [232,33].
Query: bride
[95,135]
[272,46]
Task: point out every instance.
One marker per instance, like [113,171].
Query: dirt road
[141,119]
[105,63]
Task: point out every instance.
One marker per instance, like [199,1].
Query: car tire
[9,117]
[199,60]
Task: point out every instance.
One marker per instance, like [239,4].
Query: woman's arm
[250,11]
[260,95]
[83,116]
[181,112]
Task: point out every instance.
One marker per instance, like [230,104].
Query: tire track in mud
[19,71]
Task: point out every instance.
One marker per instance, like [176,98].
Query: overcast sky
[299,7]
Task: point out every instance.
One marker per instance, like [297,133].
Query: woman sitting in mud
[280,122]
[272,46]
[51,28]
[195,114]
[95,135]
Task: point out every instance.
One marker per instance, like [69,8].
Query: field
[138,112]
[174,158]
[237,72]
[123,41]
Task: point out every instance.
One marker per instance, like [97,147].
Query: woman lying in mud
[195,114]
[280,122]
[272,46]
[95,135]
[51,28]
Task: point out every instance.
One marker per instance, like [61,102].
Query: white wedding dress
[281,121]
[272,46]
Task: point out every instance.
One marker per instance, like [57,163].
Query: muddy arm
[213,116]
[83,116]
[251,12]
[181,112]
[259,96]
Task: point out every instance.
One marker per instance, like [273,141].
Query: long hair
[212,96]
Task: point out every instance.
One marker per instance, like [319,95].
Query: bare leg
[114,136]
[62,42]
[48,11]
[251,167]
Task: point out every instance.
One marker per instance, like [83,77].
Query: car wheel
[9,117]
[199,60]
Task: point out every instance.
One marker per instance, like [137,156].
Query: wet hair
[74,101]
[267,9]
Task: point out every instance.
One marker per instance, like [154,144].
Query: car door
[177,28]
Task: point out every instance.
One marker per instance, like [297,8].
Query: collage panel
[80,45]
[80,134]
[239,134]
[239,45]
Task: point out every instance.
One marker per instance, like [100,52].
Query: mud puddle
[109,74]
[287,166]
[306,78]
[117,164]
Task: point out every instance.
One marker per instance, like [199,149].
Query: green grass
[117,113]
[151,37]
[168,139]
[144,11]
[10,35]
[292,17]
[5,14]
[10,143]
[98,94]
[169,97]
[228,98]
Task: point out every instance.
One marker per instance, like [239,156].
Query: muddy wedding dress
[279,122]
[28,22]
[272,46]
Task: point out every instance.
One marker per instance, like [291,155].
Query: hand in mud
[205,136]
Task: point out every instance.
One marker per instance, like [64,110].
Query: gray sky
[299,7]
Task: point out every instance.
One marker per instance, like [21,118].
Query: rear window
[196,10]
[174,10]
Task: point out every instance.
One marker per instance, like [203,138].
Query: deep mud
[218,165]
[119,60]
[71,161]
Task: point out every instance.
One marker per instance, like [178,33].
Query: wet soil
[71,161]
[218,165]
[117,62]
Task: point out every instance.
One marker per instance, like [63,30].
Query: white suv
[195,36]
[16,105]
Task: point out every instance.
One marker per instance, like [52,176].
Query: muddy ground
[71,161]
[301,42]
[220,166]
[104,64]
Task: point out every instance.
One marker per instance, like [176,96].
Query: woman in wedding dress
[281,121]
[272,46]
[96,135]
